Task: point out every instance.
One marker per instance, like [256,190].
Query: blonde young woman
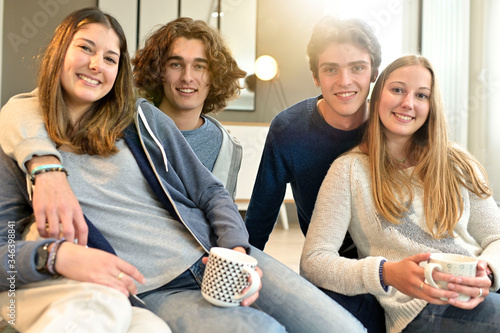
[403,193]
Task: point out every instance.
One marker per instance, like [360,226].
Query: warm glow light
[266,67]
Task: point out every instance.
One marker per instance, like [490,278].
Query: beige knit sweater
[345,203]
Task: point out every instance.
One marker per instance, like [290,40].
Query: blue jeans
[484,318]
[286,299]
[364,307]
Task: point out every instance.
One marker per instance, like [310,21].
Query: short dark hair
[331,30]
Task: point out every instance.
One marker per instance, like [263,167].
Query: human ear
[316,81]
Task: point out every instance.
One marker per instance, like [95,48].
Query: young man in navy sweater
[304,140]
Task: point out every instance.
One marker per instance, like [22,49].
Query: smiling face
[186,81]
[344,76]
[404,102]
[90,67]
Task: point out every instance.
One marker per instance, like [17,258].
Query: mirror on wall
[238,24]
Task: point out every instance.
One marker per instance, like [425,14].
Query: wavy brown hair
[149,63]
[330,30]
[99,128]
[441,167]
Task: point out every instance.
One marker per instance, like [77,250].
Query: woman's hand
[477,287]
[56,209]
[408,277]
[91,265]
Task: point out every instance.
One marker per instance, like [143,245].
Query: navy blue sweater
[299,150]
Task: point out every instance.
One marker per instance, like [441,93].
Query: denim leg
[484,318]
[296,303]
[182,306]
[364,307]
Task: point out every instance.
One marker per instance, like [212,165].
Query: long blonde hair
[100,127]
[440,169]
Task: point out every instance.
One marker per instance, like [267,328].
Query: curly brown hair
[149,63]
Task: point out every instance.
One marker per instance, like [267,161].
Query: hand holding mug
[477,287]
[230,277]
[454,264]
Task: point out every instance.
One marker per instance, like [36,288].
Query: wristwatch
[41,257]
[491,278]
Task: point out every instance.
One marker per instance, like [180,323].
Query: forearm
[267,197]
[23,132]
[199,186]
[491,256]
[484,227]
[18,263]
[37,161]
[225,220]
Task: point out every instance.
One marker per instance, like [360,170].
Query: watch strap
[42,255]
[492,278]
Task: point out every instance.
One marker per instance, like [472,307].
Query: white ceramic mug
[226,275]
[454,264]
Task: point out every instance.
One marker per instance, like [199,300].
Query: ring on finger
[120,275]
[480,293]
[422,286]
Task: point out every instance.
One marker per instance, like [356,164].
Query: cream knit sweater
[345,203]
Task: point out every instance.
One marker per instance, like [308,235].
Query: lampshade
[266,67]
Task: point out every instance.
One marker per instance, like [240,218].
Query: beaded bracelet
[46,168]
[51,261]
[382,262]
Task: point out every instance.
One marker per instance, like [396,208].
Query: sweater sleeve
[17,256]
[268,193]
[320,262]
[193,184]
[484,227]
[23,133]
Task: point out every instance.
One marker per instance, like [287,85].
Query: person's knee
[256,320]
[146,321]
[95,307]
[225,320]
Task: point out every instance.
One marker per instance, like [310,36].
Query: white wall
[492,82]
[445,42]
[154,13]
[125,11]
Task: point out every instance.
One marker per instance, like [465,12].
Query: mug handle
[428,276]
[428,273]
[254,286]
